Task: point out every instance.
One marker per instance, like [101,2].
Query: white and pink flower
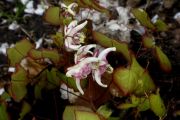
[97,65]
[73,35]
[69,9]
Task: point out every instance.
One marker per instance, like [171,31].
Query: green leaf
[145,84]
[125,79]
[93,5]
[52,76]
[143,18]
[157,105]
[113,118]
[108,42]
[148,41]
[144,104]
[17,90]
[160,25]
[69,112]
[135,100]
[26,108]
[42,83]
[52,15]
[58,39]
[53,55]
[163,60]
[104,111]
[20,75]
[3,112]
[19,51]
[84,115]
[135,66]
[126,106]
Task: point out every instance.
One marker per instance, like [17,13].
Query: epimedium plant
[81,54]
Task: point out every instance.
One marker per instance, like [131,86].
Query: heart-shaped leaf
[17,90]
[125,79]
[163,60]
[143,18]
[19,51]
[52,15]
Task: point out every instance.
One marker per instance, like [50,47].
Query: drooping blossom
[73,35]
[97,65]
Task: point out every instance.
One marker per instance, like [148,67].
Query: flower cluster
[87,61]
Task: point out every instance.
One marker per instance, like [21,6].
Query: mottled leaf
[52,55]
[19,51]
[143,18]
[163,60]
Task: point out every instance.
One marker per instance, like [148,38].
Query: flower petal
[69,44]
[63,5]
[70,27]
[78,84]
[104,53]
[77,28]
[83,51]
[72,5]
[97,77]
